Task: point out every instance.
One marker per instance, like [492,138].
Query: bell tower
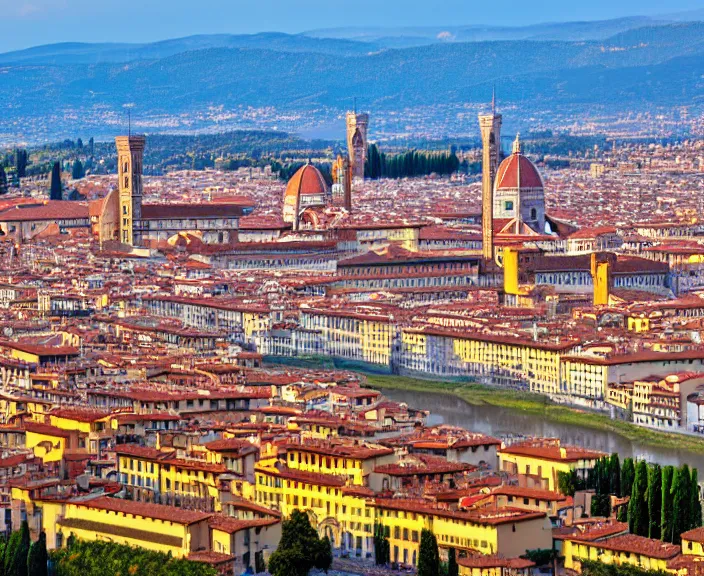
[130,155]
[490,127]
[357,126]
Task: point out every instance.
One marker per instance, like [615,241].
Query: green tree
[11,549]
[628,474]
[3,181]
[638,521]
[567,482]
[21,162]
[382,549]
[298,548]
[97,558]
[682,502]
[15,561]
[695,513]
[654,498]
[77,171]
[55,190]
[614,475]
[667,521]
[38,557]
[452,568]
[428,557]
[323,556]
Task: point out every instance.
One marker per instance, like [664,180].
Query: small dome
[307,181]
[514,166]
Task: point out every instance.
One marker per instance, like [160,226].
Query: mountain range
[629,62]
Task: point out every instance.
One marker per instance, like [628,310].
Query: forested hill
[651,65]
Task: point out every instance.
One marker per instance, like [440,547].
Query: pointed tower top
[493,100]
[517,144]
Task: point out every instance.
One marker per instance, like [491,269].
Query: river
[500,422]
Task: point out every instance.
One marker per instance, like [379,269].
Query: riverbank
[536,404]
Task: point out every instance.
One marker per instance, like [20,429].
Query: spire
[493,100]
[517,144]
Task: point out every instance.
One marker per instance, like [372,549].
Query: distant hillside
[652,65]
[78,53]
[410,36]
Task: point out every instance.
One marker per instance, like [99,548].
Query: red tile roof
[493,561]
[232,525]
[551,449]
[633,544]
[143,509]
[50,210]
[508,173]
[212,210]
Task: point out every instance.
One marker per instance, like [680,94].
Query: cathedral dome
[307,181]
[306,189]
[515,167]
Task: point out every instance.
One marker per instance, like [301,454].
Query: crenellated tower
[357,127]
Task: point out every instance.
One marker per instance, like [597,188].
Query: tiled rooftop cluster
[180,382]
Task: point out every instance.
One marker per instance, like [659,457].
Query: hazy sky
[31,22]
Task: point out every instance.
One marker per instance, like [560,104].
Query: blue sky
[31,22]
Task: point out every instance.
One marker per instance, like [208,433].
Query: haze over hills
[636,67]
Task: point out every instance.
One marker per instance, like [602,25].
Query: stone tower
[130,154]
[342,183]
[490,126]
[357,125]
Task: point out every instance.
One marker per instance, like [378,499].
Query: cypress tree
[55,192]
[614,475]
[654,499]
[16,552]
[638,522]
[695,513]
[628,473]
[77,171]
[428,557]
[666,516]
[452,568]
[681,497]
[323,555]
[21,162]
[3,181]
[11,550]
[37,558]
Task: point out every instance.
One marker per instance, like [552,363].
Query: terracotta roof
[551,449]
[423,464]
[650,547]
[79,414]
[232,525]
[40,350]
[311,478]
[231,445]
[534,493]
[344,450]
[493,561]
[211,210]
[49,210]
[507,174]
[143,509]
[695,535]
[505,515]
[306,181]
